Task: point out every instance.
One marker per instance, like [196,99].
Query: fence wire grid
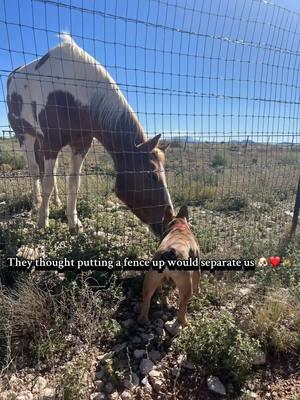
[219,81]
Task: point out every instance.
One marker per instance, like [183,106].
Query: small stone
[139,353]
[25,395]
[126,395]
[159,323]
[147,336]
[99,235]
[48,394]
[173,327]
[119,347]
[97,396]
[99,374]
[188,365]
[175,371]
[157,385]
[114,396]
[109,387]
[128,323]
[98,385]
[215,385]
[131,383]
[154,355]
[259,358]
[155,374]
[146,384]
[136,340]
[40,384]
[146,366]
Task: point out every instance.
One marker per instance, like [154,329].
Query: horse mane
[109,107]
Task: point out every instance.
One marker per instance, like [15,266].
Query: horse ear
[163,146]
[168,215]
[149,145]
[183,213]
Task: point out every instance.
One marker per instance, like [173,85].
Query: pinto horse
[66,98]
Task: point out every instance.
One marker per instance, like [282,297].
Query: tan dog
[178,242]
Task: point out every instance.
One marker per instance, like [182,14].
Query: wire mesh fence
[218,80]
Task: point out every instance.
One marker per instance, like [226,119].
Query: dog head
[170,219]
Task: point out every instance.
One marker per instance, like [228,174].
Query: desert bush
[217,344]
[276,322]
[219,160]
[26,315]
[231,203]
[18,204]
[37,321]
[14,159]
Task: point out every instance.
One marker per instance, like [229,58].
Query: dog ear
[183,213]
[168,215]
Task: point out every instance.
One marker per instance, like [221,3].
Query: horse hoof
[74,230]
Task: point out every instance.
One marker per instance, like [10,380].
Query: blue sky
[215,70]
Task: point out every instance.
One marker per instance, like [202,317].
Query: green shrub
[218,345]
[14,159]
[219,160]
[231,203]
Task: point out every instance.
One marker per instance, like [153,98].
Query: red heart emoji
[274,261]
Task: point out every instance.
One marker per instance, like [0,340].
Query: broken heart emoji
[275,261]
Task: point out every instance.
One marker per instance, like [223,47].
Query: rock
[147,336]
[259,358]
[99,374]
[25,395]
[175,371]
[245,291]
[161,332]
[7,395]
[157,385]
[188,365]
[146,383]
[139,353]
[99,235]
[215,385]
[126,395]
[98,385]
[128,323]
[173,327]
[146,366]
[114,396]
[155,374]
[97,396]
[48,394]
[136,340]
[131,382]
[159,323]
[119,347]
[40,384]
[154,355]
[105,356]
[111,204]
[109,387]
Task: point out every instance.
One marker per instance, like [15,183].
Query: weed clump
[218,345]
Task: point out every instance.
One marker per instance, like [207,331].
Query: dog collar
[180,226]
